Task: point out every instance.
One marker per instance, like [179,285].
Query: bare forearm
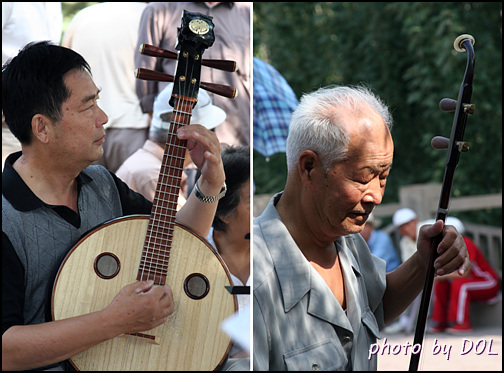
[33,346]
[403,286]
[199,215]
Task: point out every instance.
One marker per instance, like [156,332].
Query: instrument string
[154,261]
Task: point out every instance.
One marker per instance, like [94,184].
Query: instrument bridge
[141,337]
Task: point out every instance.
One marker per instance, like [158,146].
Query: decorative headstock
[194,36]
[196,29]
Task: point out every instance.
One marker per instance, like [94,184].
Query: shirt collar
[18,193]
[230,4]
[291,264]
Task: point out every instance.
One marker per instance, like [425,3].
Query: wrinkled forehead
[368,133]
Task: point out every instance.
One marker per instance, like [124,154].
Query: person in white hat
[406,221]
[141,170]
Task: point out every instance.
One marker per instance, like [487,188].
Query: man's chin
[97,154]
[355,225]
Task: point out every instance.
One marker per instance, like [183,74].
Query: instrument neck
[156,251]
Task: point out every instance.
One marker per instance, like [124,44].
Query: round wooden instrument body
[107,259]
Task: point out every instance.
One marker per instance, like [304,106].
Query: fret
[167,203]
[165,211]
[144,276]
[160,263]
[180,158]
[169,193]
[171,181]
[157,259]
[159,270]
[160,235]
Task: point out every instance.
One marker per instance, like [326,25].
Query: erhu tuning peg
[153,51]
[440,142]
[449,104]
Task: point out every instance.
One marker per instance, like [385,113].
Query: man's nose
[102,118]
[374,193]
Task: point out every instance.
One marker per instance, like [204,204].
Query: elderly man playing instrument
[320,297]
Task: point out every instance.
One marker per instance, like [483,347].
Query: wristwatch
[209,199]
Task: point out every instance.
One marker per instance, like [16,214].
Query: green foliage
[404,51]
[69,10]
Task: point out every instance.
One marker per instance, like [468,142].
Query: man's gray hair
[317,125]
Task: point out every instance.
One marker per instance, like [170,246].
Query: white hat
[459,226]
[403,216]
[204,112]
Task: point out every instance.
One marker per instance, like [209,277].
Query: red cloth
[452,297]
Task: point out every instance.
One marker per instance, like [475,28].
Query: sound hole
[107,265]
[196,286]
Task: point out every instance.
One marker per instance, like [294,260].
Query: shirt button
[347,338]
[315,366]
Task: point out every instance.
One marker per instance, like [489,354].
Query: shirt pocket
[369,321]
[324,355]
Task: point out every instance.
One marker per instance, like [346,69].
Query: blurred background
[404,51]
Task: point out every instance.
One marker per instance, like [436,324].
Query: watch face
[199,26]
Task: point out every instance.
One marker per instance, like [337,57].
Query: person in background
[22,23]
[380,244]
[105,34]
[406,222]
[230,232]
[453,294]
[141,170]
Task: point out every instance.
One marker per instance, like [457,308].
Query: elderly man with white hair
[320,296]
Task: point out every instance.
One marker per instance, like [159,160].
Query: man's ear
[308,166]
[41,128]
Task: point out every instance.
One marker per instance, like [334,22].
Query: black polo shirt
[15,190]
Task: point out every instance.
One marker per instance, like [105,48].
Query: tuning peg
[448,104]
[153,51]
[146,74]
[440,142]
[219,89]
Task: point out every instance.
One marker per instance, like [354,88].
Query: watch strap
[209,199]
